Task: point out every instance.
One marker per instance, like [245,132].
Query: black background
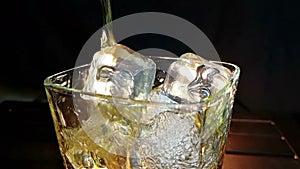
[41,38]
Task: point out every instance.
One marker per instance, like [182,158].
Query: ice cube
[119,71]
[109,127]
[193,78]
[171,140]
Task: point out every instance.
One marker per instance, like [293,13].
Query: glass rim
[61,89]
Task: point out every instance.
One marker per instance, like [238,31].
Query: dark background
[43,37]
[262,37]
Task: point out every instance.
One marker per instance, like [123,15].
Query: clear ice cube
[116,71]
[193,78]
[119,71]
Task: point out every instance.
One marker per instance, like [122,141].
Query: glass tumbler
[99,131]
